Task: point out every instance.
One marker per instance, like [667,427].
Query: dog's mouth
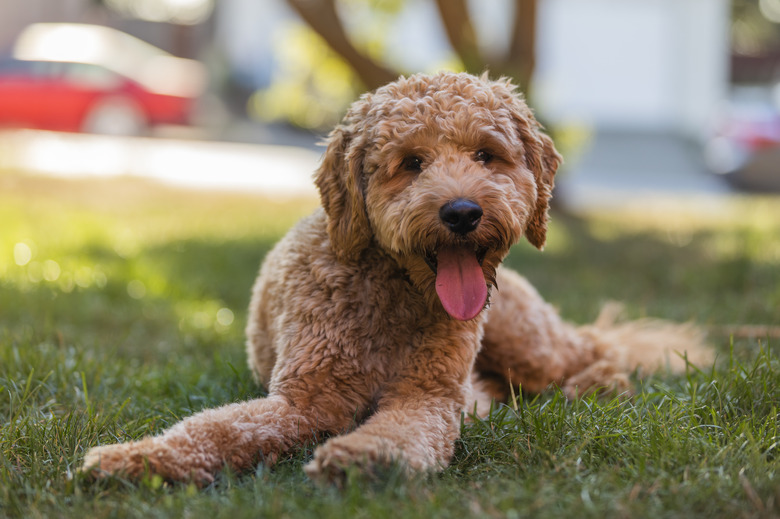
[432,257]
[460,282]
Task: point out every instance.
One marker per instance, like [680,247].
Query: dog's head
[444,173]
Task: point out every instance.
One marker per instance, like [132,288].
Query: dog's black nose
[461,215]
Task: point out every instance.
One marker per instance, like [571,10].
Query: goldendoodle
[378,320]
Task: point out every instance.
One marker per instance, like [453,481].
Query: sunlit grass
[87,246]
[122,307]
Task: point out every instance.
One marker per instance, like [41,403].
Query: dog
[385,315]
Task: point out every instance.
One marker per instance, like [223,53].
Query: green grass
[122,307]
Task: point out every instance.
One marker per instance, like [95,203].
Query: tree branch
[322,17]
[520,60]
[460,33]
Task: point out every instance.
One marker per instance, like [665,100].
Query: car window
[80,74]
[35,69]
[9,67]
[16,67]
[91,76]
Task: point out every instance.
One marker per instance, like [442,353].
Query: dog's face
[444,173]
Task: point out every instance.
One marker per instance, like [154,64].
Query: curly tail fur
[621,348]
[527,344]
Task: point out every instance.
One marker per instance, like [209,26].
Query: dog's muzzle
[460,283]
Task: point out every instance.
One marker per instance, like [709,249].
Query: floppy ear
[541,158]
[339,180]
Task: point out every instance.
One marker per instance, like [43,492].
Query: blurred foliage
[755,29]
[313,85]
[367,22]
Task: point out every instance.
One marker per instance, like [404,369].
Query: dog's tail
[641,346]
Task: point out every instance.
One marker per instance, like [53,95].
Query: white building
[659,65]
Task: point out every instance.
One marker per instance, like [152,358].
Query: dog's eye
[483,156]
[412,163]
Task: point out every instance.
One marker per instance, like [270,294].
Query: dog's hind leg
[527,344]
[643,345]
[525,341]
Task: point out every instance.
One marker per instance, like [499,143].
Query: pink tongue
[459,283]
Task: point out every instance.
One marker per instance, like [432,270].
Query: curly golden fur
[370,322]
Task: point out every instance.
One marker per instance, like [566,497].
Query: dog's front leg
[236,435]
[417,419]
[418,435]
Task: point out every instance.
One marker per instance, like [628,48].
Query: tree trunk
[322,17]
[518,63]
[521,56]
[460,31]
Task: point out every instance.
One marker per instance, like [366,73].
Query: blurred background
[643,98]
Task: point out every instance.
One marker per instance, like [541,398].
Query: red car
[76,77]
[745,147]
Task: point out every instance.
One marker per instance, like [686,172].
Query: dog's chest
[390,311]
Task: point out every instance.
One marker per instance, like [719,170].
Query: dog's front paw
[145,457]
[364,454]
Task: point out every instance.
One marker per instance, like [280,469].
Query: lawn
[122,307]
